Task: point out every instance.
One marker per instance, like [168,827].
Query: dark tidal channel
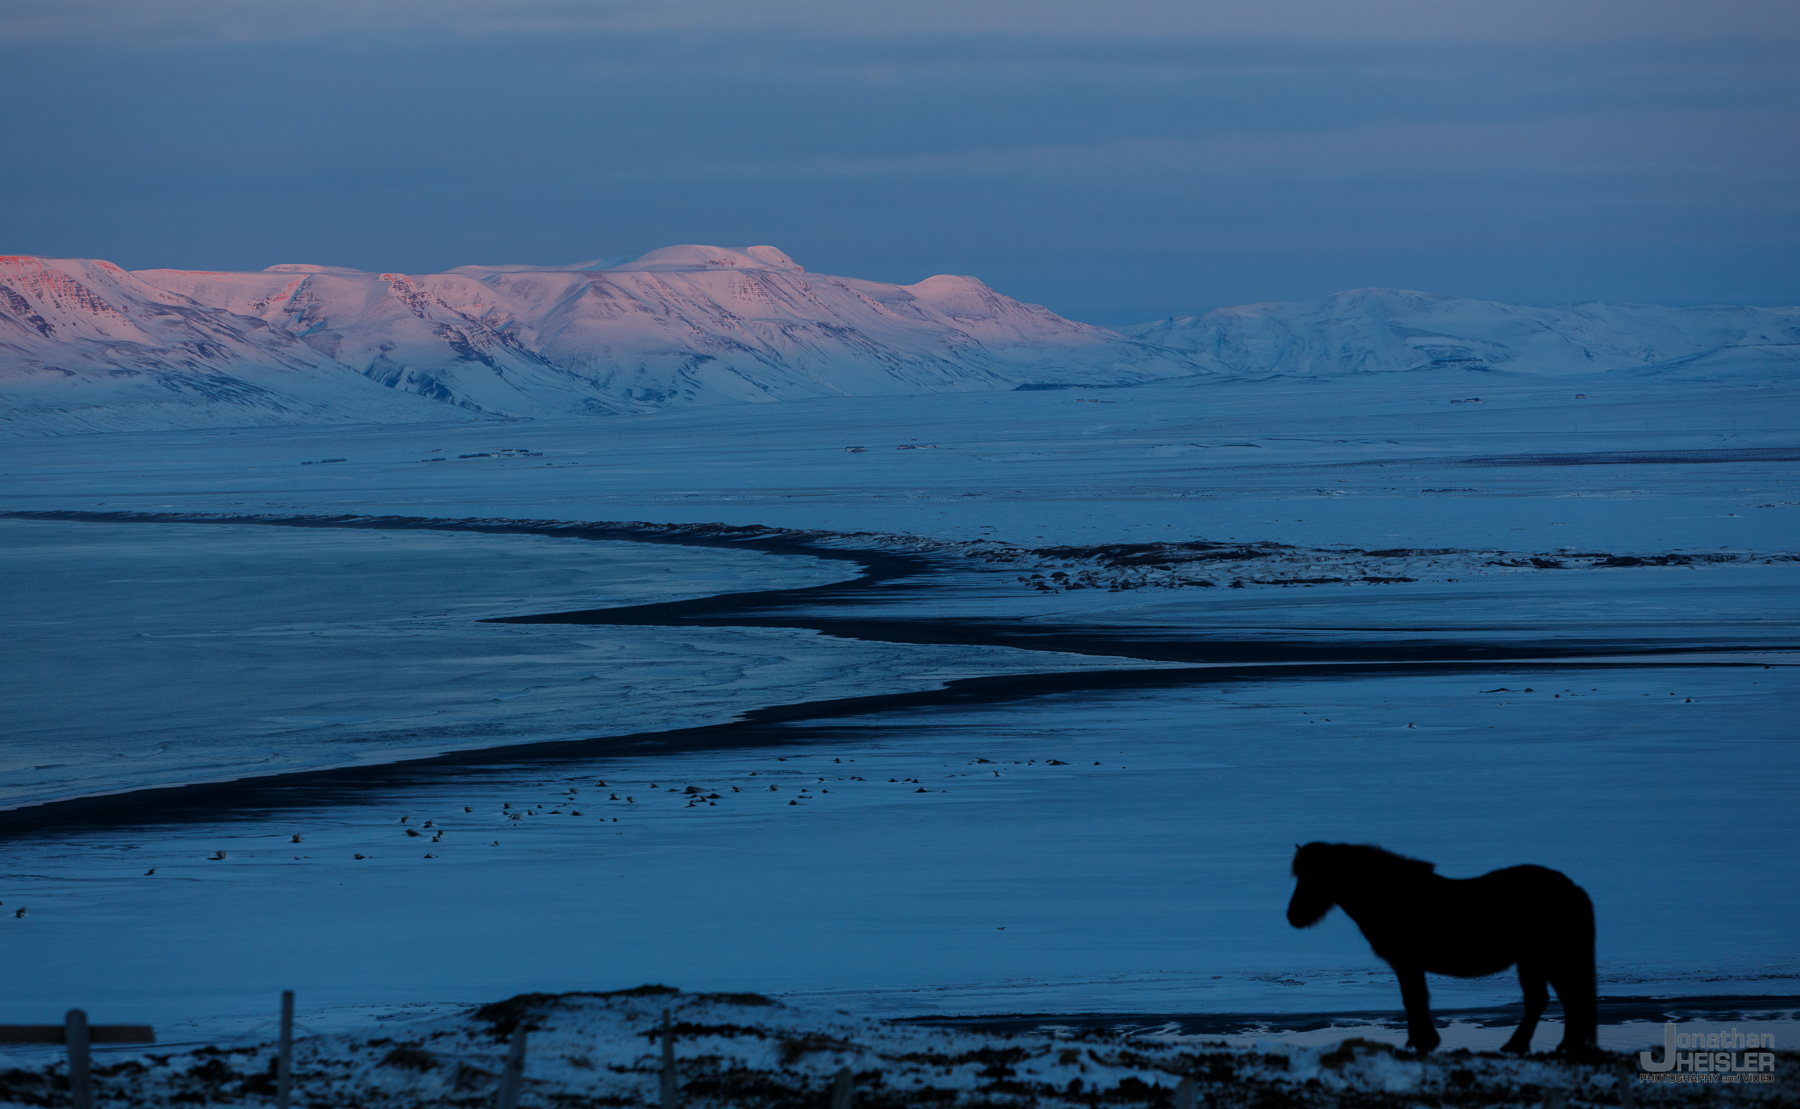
[1720,1008]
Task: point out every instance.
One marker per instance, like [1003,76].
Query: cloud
[1316,20]
[1112,176]
[1765,142]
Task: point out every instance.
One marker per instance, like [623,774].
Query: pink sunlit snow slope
[85,345]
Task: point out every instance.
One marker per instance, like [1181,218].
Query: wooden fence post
[842,1089]
[513,1076]
[81,1083]
[1187,1091]
[671,1090]
[284,1057]
[1627,1095]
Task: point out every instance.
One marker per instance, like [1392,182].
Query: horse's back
[1549,911]
[1469,927]
[1539,884]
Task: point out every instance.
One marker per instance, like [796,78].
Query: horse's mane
[1357,858]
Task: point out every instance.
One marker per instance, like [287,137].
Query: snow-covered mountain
[1374,330]
[86,345]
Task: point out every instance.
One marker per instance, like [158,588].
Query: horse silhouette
[1418,921]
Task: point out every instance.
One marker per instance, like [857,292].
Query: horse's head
[1315,887]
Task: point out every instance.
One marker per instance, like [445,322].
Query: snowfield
[744,1050]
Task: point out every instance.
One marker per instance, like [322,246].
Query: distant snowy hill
[1376,330]
[85,345]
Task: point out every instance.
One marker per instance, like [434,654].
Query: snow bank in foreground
[748,1050]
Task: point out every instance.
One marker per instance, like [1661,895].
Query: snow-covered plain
[1661,513]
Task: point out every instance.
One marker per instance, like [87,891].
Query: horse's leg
[1531,977]
[1421,1035]
[1575,983]
[1576,990]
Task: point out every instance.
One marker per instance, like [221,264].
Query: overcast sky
[1115,161]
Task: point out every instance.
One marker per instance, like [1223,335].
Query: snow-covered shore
[747,1051]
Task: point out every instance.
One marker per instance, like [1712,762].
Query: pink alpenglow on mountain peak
[85,345]
[675,259]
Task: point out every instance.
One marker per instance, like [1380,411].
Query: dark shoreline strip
[1720,1008]
[1145,644]
[896,573]
[1641,458]
[877,565]
[765,728]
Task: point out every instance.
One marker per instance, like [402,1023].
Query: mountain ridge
[88,346]
[688,324]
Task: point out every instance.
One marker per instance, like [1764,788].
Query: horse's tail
[1579,989]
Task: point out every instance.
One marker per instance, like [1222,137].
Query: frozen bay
[156,654]
[1152,882]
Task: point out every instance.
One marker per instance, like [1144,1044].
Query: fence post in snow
[671,1095]
[81,1084]
[841,1089]
[1627,1098]
[284,1054]
[513,1075]
[1186,1093]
